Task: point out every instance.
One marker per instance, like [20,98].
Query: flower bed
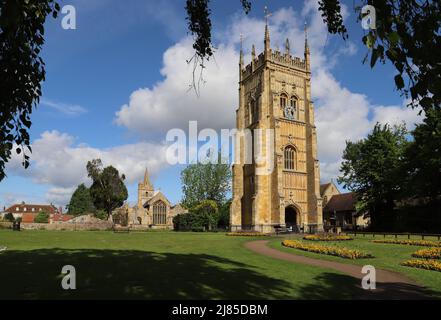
[326,237]
[424,243]
[431,253]
[332,251]
[423,264]
[247,234]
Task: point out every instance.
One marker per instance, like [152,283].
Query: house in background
[28,212]
[339,209]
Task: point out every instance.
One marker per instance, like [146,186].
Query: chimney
[60,210]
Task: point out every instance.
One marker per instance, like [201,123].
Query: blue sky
[117,83]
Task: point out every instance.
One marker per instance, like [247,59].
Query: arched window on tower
[283,100]
[290,158]
[293,104]
[159,212]
[254,110]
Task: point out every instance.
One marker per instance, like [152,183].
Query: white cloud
[170,104]
[340,114]
[67,109]
[56,161]
[150,112]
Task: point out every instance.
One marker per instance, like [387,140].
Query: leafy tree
[205,182]
[207,209]
[81,201]
[100,214]
[8,217]
[423,158]
[224,215]
[22,71]
[42,217]
[108,190]
[372,169]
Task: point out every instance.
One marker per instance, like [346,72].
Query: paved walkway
[390,285]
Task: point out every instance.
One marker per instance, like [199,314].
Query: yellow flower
[326,237]
[423,264]
[328,250]
[425,243]
[247,234]
[431,253]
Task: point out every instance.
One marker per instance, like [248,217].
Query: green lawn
[155,265]
[386,256]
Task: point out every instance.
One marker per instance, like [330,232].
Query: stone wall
[103,225]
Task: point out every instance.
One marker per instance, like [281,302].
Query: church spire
[147,184]
[267,36]
[287,47]
[307,53]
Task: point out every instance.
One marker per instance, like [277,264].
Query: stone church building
[275,93]
[153,209]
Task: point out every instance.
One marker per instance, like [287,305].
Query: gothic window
[159,212]
[283,100]
[254,110]
[293,104]
[290,158]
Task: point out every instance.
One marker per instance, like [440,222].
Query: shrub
[423,243]
[190,222]
[42,217]
[100,214]
[423,264]
[207,211]
[332,251]
[326,237]
[9,217]
[431,253]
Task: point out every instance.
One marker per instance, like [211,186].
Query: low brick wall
[61,226]
[5,225]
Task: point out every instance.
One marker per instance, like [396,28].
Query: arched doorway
[291,218]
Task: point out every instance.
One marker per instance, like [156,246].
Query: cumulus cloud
[172,104]
[340,113]
[58,162]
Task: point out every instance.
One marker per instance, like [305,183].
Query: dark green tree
[205,182]
[21,72]
[208,211]
[81,201]
[423,159]
[42,217]
[224,215]
[108,190]
[9,217]
[372,168]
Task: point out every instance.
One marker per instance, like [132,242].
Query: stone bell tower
[275,93]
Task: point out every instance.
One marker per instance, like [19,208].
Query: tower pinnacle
[267,36]
[307,53]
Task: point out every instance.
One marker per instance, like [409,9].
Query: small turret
[307,53]
[267,36]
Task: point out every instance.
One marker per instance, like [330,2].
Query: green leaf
[399,82]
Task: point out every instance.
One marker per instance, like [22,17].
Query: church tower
[145,190]
[275,94]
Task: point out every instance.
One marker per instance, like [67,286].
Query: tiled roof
[27,208]
[61,217]
[341,202]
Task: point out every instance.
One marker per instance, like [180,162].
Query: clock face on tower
[290,112]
